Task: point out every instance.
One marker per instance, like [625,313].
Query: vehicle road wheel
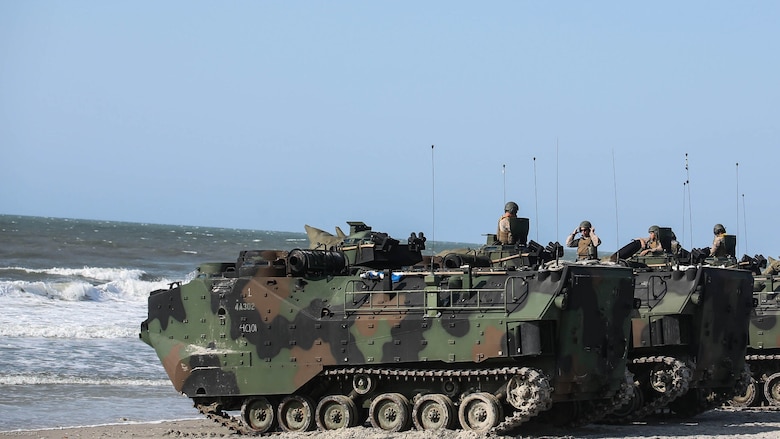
[363,384]
[390,412]
[433,412]
[748,398]
[772,389]
[258,414]
[479,412]
[336,411]
[661,379]
[296,413]
[636,402]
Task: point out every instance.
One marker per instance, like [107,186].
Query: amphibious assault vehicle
[365,330]
[688,337]
[763,351]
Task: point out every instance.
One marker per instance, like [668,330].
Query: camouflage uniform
[773,268]
[651,245]
[504,232]
[654,245]
[718,249]
[586,245]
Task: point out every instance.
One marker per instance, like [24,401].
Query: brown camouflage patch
[177,371]
[267,295]
[640,333]
[490,345]
[366,327]
[311,361]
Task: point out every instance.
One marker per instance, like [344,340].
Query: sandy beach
[724,423]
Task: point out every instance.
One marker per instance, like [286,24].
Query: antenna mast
[536,200]
[737,209]
[614,182]
[557,225]
[503,173]
[433,203]
[690,208]
[744,214]
[682,237]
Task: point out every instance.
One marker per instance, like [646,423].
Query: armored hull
[763,352]
[687,337]
[363,333]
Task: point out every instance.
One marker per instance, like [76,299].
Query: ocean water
[73,294]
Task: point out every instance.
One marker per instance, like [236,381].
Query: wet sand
[721,424]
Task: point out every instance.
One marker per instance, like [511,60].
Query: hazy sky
[272,115]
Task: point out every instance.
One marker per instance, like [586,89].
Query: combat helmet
[586,225]
[655,229]
[511,207]
[718,229]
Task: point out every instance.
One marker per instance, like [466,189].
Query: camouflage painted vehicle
[361,331]
[763,351]
[529,255]
[689,335]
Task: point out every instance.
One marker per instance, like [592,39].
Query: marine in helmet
[652,244]
[718,249]
[677,249]
[504,233]
[587,243]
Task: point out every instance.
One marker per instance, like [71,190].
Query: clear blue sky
[271,115]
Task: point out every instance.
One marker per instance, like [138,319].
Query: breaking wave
[49,379]
[88,283]
[73,330]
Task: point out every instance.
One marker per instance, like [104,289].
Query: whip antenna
[744,214]
[433,204]
[737,249]
[682,237]
[614,183]
[690,208]
[536,198]
[557,217]
[503,173]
